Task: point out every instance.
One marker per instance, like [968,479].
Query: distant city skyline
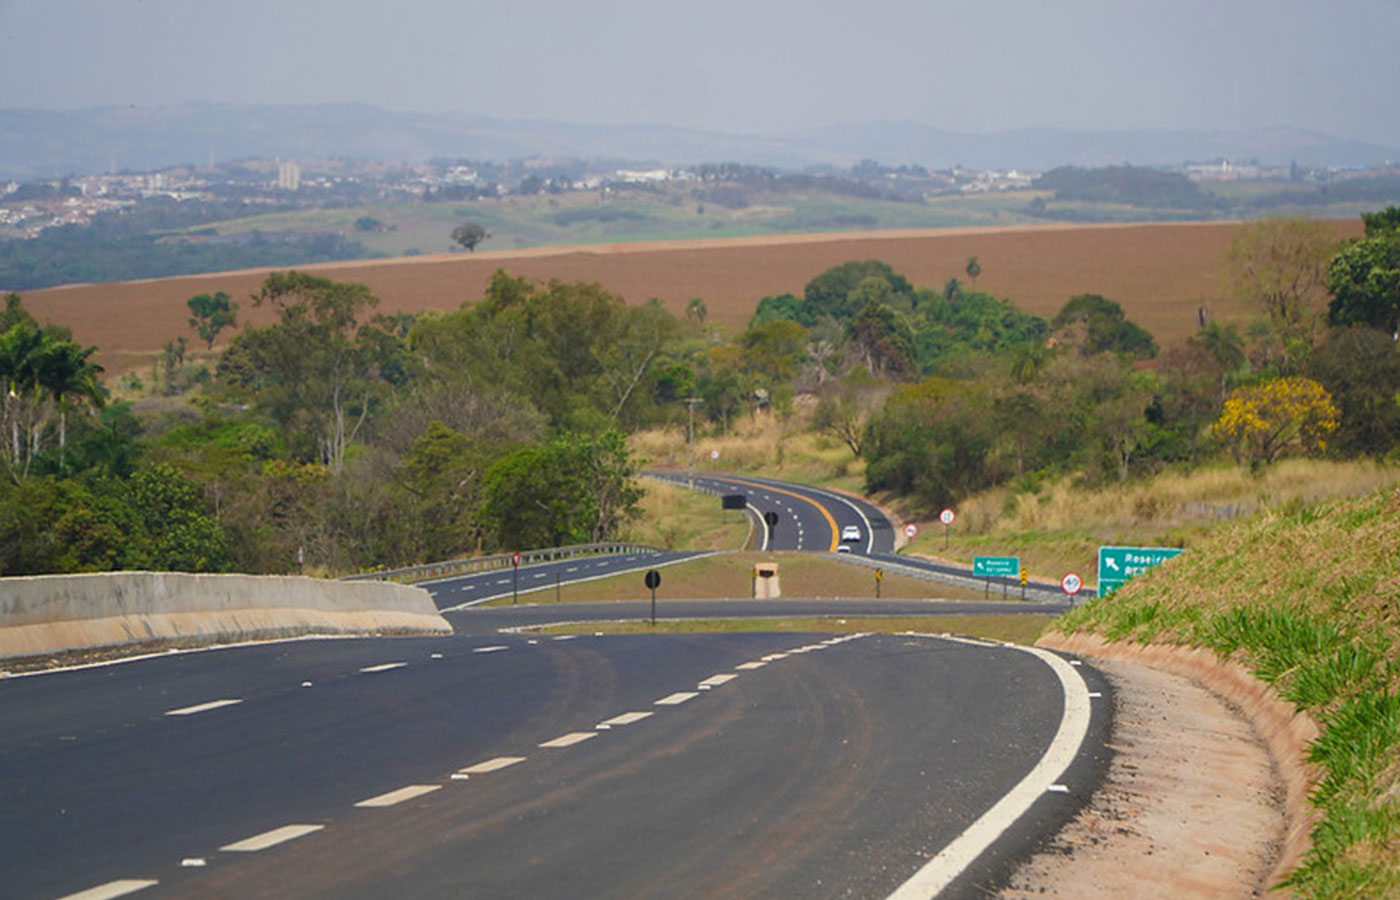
[728,66]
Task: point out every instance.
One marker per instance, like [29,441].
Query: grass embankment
[1306,595]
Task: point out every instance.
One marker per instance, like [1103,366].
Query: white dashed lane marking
[677,698]
[491,765]
[568,740]
[393,798]
[383,667]
[490,649]
[202,707]
[626,718]
[749,666]
[112,889]
[271,838]
[716,681]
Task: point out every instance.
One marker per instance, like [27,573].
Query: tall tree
[1280,265]
[469,234]
[1364,276]
[67,374]
[973,269]
[210,314]
[321,365]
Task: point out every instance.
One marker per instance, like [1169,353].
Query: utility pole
[690,436]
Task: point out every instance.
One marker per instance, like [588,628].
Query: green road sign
[996,566]
[1118,564]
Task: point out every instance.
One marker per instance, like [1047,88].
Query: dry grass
[1015,629]
[730,576]
[1060,528]
[758,444]
[676,518]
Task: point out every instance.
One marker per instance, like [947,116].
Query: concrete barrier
[45,615]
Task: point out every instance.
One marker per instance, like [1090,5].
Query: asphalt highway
[510,765]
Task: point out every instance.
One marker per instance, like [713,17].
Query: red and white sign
[1071,584]
[910,530]
[714,454]
[515,559]
[947,516]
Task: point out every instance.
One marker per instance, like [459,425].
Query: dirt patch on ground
[1206,795]
[1161,273]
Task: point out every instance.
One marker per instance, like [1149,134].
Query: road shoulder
[1205,796]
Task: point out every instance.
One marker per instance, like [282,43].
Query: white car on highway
[850,533]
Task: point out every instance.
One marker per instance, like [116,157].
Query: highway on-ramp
[513,765]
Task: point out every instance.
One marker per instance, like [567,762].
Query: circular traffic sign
[1071,584]
[947,516]
[910,530]
[515,559]
[714,454]
[653,579]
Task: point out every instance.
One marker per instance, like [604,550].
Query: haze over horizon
[732,66]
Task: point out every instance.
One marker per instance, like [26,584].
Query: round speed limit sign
[1071,584]
[947,516]
[910,530]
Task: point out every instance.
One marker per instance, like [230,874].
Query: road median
[58,615]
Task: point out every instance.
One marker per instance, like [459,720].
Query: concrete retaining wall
[54,614]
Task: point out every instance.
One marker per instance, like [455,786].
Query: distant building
[288,176]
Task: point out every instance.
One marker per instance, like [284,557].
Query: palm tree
[20,350]
[64,371]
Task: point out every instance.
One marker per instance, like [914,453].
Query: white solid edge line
[399,796]
[112,889]
[940,871]
[201,707]
[270,838]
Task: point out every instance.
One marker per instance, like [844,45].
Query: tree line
[356,439]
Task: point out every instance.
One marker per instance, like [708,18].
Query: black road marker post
[653,580]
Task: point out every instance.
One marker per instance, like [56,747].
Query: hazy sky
[734,65]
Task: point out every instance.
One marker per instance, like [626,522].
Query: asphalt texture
[833,771]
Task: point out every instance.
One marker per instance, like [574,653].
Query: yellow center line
[821,509]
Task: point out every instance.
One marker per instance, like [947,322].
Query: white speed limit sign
[1071,584]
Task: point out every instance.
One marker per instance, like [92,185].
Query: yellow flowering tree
[1259,423]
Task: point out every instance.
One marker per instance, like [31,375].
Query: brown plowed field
[1161,274]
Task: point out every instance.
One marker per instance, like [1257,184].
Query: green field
[646,215]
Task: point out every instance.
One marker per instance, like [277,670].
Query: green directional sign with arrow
[996,566]
[1118,564]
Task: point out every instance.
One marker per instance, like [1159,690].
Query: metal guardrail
[476,564]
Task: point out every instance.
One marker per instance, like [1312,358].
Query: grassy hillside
[1306,595]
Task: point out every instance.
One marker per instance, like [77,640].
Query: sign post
[515,578]
[946,517]
[652,581]
[879,576]
[1118,564]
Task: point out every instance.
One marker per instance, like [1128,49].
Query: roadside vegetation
[1306,594]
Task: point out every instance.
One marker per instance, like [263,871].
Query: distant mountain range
[37,144]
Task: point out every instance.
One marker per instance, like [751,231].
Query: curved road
[488,765]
